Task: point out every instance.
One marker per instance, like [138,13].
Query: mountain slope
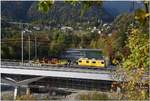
[62,12]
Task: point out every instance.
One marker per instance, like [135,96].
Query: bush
[26,97]
[93,96]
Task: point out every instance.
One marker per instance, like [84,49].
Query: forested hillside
[64,27]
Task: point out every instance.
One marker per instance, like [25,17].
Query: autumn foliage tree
[136,66]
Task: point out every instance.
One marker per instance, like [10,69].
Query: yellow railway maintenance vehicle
[88,58]
[93,63]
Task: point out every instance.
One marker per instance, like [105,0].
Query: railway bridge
[35,75]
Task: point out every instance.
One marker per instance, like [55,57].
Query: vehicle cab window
[94,62]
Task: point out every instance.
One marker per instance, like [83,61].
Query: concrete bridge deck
[55,71]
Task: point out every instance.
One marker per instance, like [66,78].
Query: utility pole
[29,46]
[22,46]
[28,31]
[35,48]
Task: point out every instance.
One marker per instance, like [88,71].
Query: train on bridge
[87,58]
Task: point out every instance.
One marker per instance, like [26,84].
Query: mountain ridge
[27,11]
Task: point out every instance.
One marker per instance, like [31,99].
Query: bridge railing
[10,63]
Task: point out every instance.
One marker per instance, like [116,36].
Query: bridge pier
[15,92]
[28,91]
